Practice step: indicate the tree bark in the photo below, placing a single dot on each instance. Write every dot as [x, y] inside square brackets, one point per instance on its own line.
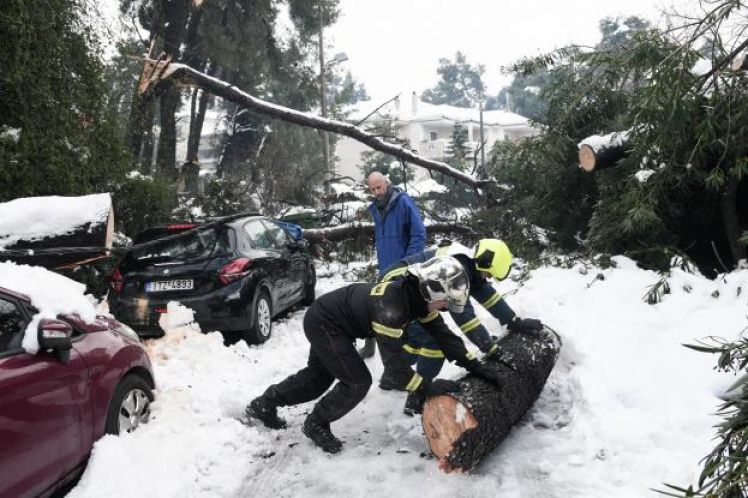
[158, 75]
[730, 221]
[177, 13]
[600, 152]
[465, 427]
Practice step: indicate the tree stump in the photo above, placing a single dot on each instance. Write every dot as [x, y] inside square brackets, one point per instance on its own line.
[466, 426]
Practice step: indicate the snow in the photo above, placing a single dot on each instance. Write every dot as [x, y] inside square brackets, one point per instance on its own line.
[424, 186]
[50, 293]
[598, 142]
[626, 409]
[643, 175]
[701, 67]
[8, 133]
[31, 218]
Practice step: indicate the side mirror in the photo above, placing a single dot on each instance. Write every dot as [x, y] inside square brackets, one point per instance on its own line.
[56, 335]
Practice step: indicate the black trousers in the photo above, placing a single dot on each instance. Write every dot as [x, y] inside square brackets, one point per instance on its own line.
[332, 356]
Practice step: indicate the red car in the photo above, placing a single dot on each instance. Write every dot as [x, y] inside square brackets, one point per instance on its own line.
[87, 380]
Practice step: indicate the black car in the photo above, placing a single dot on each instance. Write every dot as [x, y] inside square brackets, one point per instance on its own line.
[236, 273]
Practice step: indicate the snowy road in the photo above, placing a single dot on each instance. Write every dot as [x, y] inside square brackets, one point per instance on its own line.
[626, 408]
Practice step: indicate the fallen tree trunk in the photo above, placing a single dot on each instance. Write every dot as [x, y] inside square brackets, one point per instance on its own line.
[465, 427]
[366, 229]
[156, 74]
[599, 152]
[56, 232]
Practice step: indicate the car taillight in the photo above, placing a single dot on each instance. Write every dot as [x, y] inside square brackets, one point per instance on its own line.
[180, 226]
[116, 280]
[234, 270]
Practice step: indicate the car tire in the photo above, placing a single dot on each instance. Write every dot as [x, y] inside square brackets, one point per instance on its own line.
[130, 405]
[259, 331]
[309, 285]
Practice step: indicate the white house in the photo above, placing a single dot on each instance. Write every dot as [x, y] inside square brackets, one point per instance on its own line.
[428, 128]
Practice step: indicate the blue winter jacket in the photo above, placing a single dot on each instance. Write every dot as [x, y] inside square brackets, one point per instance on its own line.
[400, 232]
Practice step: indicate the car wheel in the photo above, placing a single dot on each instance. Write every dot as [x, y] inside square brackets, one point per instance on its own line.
[130, 406]
[259, 331]
[309, 284]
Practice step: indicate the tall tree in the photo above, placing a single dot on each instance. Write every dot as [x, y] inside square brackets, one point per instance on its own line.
[58, 134]
[460, 83]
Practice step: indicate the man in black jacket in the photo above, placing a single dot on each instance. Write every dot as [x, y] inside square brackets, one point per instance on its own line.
[381, 310]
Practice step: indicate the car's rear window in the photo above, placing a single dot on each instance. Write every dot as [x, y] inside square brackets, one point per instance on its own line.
[188, 246]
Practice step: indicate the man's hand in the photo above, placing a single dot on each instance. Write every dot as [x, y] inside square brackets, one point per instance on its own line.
[525, 325]
[480, 370]
[439, 387]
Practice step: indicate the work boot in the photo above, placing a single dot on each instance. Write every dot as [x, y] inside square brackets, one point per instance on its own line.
[414, 404]
[368, 349]
[266, 412]
[387, 382]
[318, 431]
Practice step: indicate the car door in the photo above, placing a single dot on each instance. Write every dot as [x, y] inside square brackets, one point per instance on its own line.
[294, 259]
[42, 434]
[266, 254]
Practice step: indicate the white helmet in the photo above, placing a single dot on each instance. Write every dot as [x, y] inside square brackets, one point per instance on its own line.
[443, 277]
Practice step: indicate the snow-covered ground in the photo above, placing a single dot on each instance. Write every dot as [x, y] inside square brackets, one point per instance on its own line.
[626, 408]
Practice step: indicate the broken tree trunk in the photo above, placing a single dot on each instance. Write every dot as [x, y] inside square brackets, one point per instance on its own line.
[156, 74]
[466, 426]
[56, 232]
[599, 152]
[366, 229]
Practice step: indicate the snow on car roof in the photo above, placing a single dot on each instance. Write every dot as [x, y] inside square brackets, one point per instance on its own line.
[50, 293]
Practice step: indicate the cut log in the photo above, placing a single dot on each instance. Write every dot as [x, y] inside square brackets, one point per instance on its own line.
[56, 232]
[599, 152]
[466, 426]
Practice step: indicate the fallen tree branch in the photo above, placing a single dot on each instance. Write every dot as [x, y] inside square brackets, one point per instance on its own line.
[366, 229]
[156, 74]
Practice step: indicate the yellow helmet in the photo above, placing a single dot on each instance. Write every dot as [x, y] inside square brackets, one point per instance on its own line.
[493, 256]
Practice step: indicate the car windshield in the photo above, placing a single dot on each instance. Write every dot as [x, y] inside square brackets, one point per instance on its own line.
[188, 246]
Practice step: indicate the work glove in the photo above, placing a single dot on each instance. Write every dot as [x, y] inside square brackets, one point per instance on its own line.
[525, 325]
[438, 387]
[492, 350]
[481, 370]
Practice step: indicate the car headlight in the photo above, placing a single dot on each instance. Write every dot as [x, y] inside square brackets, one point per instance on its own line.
[127, 332]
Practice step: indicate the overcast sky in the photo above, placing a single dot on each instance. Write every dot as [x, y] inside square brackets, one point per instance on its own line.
[394, 45]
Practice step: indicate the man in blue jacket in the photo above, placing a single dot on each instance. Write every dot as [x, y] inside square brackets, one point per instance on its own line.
[398, 229]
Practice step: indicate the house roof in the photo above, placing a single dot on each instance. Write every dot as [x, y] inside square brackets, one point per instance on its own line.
[405, 110]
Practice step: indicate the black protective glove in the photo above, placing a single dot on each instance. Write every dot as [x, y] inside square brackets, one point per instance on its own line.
[438, 387]
[525, 325]
[480, 370]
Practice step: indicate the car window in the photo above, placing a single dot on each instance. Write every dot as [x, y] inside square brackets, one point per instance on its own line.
[258, 235]
[188, 246]
[278, 235]
[12, 326]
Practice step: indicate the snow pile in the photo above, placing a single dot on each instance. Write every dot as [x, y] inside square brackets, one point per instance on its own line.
[10, 134]
[21, 219]
[423, 187]
[50, 293]
[626, 408]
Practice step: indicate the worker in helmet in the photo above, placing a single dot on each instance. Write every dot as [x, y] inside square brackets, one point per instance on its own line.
[382, 310]
[491, 258]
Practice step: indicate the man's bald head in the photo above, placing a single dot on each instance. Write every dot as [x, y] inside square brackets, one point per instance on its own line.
[378, 184]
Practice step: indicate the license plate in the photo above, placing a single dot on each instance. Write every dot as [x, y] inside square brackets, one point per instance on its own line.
[170, 285]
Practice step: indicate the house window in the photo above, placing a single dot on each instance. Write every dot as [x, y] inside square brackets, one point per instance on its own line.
[433, 136]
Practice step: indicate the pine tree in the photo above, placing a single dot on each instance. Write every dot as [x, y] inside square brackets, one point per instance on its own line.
[460, 83]
[58, 135]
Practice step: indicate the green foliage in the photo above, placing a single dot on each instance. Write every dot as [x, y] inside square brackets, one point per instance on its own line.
[53, 97]
[460, 83]
[141, 202]
[686, 132]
